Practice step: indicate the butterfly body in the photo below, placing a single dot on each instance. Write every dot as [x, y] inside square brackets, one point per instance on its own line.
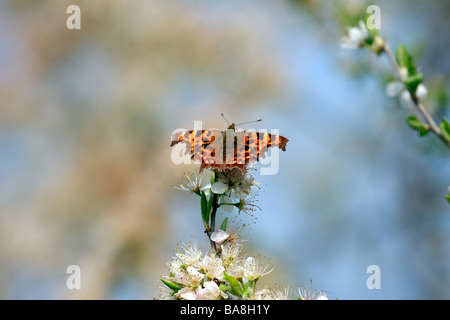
[227, 149]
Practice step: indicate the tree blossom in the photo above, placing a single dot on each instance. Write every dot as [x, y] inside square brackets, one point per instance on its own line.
[193, 183]
[398, 89]
[253, 268]
[307, 293]
[219, 236]
[356, 36]
[211, 291]
[212, 267]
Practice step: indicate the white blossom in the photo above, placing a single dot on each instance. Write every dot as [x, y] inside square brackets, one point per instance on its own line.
[421, 91]
[231, 252]
[226, 204]
[212, 267]
[398, 89]
[166, 293]
[187, 293]
[263, 294]
[210, 291]
[219, 236]
[246, 205]
[253, 268]
[394, 88]
[189, 277]
[193, 182]
[356, 36]
[281, 294]
[307, 293]
[191, 255]
[219, 188]
[236, 184]
[271, 294]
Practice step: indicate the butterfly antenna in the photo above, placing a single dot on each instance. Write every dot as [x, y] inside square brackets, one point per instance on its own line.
[225, 119]
[249, 122]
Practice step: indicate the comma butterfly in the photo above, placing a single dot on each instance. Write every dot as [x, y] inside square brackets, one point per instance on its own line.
[227, 149]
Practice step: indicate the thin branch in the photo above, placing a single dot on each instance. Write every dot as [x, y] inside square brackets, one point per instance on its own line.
[419, 105]
[394, 63]
[433, 126]
[212, 226]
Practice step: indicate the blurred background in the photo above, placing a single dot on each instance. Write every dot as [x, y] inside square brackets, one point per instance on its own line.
[85, 123]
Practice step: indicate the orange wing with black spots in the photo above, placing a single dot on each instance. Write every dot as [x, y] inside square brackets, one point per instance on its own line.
[194, 139]
[227, 149]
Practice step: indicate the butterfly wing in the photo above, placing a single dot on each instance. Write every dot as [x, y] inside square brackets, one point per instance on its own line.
[211, 148]
[195, 140]
[257, 144]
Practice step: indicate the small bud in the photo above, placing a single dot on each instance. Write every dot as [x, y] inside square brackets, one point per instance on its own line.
[403, 72]
[421, 91]
[378, 44]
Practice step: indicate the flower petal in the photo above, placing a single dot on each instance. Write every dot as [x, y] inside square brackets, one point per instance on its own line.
[394, 88]
[406, 100]
[355, 35]
[421, 91]
[187, 294]
[364, 31]
[219, 188]
[219, 236]
[226, 207]
[346, 43]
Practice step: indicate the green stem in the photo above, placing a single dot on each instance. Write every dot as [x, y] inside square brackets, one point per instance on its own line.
[215, 206]
[213, 214]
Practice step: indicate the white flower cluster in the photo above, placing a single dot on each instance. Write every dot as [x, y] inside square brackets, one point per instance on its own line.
[223, 273]
[236, 189]
[358, 37]
[230, 275]
[399, 89]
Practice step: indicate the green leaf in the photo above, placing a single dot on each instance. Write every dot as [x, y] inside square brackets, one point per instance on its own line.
[223, 226]
[445, 128]
[413, 82]
[204, 207]
[172, 285]
[402, 55]
[247, 292]
[250, 284]
[417, 125]
[447, 197]
[405, 60]
[223, 287]
[236, 287]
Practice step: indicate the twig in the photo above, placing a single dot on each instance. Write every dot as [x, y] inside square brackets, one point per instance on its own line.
[419, 105]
